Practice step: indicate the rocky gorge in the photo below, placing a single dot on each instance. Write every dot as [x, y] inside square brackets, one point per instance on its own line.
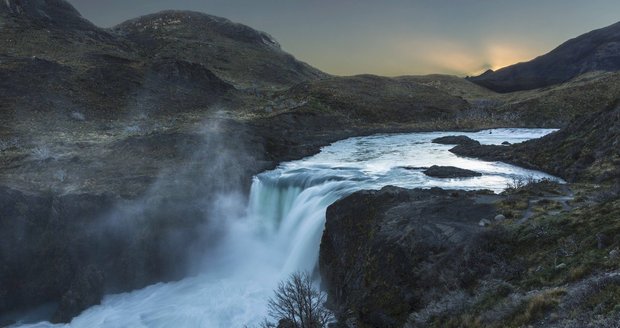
[146, 123]
[390, 258]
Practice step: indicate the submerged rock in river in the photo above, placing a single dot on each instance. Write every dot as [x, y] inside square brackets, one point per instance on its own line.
[445, 172]
[456, 140]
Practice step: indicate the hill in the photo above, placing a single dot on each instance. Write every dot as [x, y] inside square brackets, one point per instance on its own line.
[598, 50]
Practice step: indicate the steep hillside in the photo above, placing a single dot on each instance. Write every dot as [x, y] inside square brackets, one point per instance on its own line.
[237, 53]
[55, 61]
[452, 85]
[558, 105]
[419, 258]
[588, 150]
[54, 13]
[598, 50]
[369, 99]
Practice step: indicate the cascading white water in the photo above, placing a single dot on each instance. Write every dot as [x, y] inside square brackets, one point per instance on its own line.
[282, 229]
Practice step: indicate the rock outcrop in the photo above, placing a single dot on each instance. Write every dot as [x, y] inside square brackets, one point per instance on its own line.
[419, 258]
[49, 12]
[382, 251]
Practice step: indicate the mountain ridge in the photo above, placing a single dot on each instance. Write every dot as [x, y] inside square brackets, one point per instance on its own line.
[55, 12]
[597, 50]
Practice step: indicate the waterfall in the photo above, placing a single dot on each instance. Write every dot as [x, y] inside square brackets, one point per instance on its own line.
[291, 211]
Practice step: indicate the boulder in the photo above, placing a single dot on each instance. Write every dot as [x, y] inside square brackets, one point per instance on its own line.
[444, 172]
[484, 222]
[456, 140]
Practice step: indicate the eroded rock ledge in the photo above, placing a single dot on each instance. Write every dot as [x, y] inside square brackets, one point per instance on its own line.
[418, 258]
[382, 251]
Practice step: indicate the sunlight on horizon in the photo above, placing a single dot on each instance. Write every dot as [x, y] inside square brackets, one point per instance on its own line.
[398, 57]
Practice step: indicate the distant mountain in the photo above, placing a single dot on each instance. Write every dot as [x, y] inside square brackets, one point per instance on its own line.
[598, 50]
[237, 53]
[54, 60]
[58, 13]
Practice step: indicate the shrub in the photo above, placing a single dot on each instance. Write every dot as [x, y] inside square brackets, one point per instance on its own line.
[298, 304]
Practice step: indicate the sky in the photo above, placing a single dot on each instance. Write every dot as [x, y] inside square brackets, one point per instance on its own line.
[394, 37]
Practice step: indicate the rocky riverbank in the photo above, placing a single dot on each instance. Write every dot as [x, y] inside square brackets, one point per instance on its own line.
[420, 258]
[382, 252]
[424, 258]
[587, 150]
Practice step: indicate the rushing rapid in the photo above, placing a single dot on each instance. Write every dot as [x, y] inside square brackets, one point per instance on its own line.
[281, 230]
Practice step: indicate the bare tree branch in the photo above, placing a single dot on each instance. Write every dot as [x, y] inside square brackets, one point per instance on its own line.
[297, 303]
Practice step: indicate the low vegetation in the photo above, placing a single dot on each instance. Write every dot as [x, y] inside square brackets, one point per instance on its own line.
[568, 269]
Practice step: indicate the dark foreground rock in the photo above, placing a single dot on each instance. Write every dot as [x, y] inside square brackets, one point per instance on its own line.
[37, 237]
[447, 172]
[381, 250]
[456, 140]
[86, 290]
[417, 258]
[71, 249]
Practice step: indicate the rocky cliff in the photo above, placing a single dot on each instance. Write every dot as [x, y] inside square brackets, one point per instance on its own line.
[383, 253]
[422, 258]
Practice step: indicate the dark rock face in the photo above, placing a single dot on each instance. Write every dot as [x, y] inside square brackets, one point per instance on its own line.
[444, 172]
[456, 140]
[598, 50]
[185, 85]
[382, 251]
[37, 236]
[85, 291]
[71, 248]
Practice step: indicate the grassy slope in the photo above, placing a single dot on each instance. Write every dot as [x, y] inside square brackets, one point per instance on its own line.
[568, 267]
